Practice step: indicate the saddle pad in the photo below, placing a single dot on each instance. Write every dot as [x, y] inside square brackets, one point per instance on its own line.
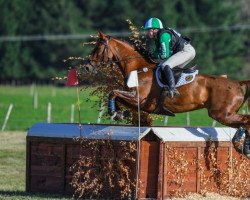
[186, 78]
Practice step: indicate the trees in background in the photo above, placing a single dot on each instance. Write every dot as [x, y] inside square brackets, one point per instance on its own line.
[38, 59]
[221, 47]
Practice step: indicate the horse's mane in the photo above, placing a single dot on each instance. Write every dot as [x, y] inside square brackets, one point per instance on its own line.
[139, 48]
[133, 47]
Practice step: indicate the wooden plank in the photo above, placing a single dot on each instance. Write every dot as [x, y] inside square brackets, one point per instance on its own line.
[46, 183]
[46, 149]
[197, 144]
[46, 160]
[160, 175]
[27, 187]
[198, 181]
[165, 172]
[64, 167]
[149, 171]
[46, 170]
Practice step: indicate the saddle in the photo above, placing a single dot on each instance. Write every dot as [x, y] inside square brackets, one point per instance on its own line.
[187, 74]
[182, 76]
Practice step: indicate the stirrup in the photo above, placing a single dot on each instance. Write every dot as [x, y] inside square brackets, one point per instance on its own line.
[171, 93]
[176, 92]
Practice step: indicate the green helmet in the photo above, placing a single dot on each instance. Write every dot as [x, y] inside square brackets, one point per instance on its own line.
[153, 23]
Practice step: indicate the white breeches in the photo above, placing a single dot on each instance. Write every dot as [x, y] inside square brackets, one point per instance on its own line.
[181, 58]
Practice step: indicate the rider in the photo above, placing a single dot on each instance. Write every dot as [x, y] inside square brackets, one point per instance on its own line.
[171, 48]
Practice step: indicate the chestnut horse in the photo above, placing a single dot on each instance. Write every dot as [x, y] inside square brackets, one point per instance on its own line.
[222, 97]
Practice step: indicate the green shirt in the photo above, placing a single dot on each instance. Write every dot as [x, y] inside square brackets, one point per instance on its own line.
[162, 50]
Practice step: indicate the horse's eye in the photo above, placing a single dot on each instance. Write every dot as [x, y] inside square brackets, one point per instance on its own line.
[100, 42]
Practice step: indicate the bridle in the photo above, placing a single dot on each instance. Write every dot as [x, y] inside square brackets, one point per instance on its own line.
[105, 49]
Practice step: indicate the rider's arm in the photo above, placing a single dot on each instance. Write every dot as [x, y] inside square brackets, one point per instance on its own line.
[164, 50]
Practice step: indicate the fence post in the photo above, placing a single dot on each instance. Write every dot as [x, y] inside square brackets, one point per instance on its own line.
[101, 109]
[72, 108]
[188, 119]
[7, 116]
[35, 100]
[214, 123]
[32, 89]
[49, 113]
[166, 120]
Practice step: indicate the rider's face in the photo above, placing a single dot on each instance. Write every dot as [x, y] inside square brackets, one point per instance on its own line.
[151, 33]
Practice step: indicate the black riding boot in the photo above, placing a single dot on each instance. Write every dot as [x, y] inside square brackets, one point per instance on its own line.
[171, 91]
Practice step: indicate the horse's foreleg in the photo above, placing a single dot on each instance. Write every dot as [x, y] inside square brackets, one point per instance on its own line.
[122, 96]
[125, 97]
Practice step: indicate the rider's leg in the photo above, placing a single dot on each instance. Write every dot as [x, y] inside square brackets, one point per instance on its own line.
[181, 58]
[171, 91]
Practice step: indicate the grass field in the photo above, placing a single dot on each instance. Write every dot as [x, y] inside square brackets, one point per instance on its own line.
[24, 114]
[12, 168]
[12, 172]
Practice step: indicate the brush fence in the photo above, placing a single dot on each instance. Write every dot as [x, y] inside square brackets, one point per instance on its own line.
[173, 161]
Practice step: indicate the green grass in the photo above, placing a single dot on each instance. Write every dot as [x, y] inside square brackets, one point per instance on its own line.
[12, 168]
[24, 115]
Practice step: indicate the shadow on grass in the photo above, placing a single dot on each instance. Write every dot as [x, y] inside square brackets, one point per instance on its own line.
[32, 195]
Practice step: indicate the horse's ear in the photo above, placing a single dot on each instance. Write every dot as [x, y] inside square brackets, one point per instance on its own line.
[102, 35]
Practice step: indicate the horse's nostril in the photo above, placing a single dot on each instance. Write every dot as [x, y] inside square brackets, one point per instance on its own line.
[88, 69]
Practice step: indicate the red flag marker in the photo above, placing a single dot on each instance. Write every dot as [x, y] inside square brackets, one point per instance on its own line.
[72, 81]
[72, 78]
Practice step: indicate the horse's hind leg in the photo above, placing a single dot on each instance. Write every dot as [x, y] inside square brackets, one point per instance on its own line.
[241, 122]
[246, 146]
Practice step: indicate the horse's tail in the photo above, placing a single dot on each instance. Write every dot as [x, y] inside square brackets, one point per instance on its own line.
[246, 88]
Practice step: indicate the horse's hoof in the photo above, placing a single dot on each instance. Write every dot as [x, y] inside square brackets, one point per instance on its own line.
[246, 147]
[120, 115]
[248, 156]
[238, 147]
[238, 140]
[117, 116]
[112, 117]
[239, 135]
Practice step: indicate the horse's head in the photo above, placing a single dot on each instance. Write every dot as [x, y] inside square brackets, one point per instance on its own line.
[110, 50]
[100, 55]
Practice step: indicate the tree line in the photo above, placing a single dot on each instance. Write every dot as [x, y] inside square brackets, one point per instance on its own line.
[36, 36]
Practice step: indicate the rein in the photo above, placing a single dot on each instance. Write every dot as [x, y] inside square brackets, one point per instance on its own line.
[109, 61]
